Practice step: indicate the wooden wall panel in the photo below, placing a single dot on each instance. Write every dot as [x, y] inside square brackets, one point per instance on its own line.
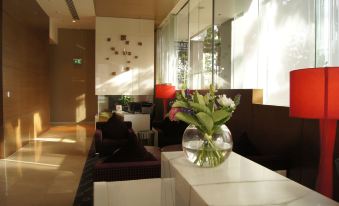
[25, 73]
[72, 86]
[1, 112]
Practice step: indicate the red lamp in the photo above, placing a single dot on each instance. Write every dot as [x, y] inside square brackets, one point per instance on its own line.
[314, 94]
[165, 92]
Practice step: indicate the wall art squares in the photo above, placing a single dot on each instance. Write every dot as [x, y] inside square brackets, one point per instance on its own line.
[127, 69]
[108, 39]
[135, 57]
[107, 58]
[129, 53]
[127, 42]
[114, 73]
[112, 48]
[128, 62]
[116, 52]
[140, 43]
[123, 37]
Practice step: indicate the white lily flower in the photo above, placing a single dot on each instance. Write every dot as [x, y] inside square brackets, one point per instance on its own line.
[223, 100]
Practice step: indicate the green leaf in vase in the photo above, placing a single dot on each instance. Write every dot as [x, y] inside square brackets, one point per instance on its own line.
[198, 98]
[187, 118]
[180, 104]
[200, 108]
[219, 115]
[201, 99]
[206, 121]
[183, 93]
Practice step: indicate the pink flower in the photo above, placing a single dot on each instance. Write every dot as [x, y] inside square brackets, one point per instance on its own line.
[173, 112]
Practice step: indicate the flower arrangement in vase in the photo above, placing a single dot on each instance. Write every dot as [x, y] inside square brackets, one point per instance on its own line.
[207, 141]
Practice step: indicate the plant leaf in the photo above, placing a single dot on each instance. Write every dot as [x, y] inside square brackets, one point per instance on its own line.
[201, 99]
[180, 104]
[219, 115]
[200, 108]
[237, 99]
[183, 93]
[206, 121]
[189, 119]
[198, 98]
[223, 121]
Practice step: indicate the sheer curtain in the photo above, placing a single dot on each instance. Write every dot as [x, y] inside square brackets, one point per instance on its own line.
[166, 71]
[272, 38]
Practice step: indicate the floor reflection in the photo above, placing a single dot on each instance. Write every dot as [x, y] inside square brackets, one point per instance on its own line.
[46, 171]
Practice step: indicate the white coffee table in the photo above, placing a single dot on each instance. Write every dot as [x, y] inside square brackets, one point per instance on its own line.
[145, 192]
[238, 181]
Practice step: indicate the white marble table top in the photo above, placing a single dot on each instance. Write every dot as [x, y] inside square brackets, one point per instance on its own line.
[144, 192]
[238, 181]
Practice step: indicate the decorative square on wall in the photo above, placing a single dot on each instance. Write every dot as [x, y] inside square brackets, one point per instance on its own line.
[140, 43]
[116, 52]
[127, 69]
[114, 73]
[107, 58]
[128, 62]
[129, 53]
[113, 48]
[135, 57]
[123, 37]
[127, 42]
[108, 39]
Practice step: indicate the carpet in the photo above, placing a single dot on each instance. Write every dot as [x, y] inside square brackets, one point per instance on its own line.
[84, 195]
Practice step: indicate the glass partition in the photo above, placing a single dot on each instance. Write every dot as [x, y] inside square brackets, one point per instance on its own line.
[249, 44]
[201, 44]
[181, 38]
[327, 20]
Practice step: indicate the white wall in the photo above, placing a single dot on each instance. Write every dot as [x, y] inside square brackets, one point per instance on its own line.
[53, 31]
[139, 80]
[272, 38]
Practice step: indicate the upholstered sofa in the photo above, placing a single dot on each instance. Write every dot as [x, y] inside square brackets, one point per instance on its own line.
[115, 171]
[127, 165]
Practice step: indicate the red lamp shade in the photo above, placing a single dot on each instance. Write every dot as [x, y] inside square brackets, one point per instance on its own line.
[164, 91]
[314, 94]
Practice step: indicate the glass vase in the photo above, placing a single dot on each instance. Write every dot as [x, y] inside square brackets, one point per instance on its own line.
[207, 150]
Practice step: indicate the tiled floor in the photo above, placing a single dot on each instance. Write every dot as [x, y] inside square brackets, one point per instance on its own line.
[47, 171]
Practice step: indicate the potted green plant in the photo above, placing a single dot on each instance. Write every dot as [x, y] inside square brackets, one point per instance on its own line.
[124, 100]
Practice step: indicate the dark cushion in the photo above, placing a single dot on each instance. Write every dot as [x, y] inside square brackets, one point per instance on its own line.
[114, 128]
[133, 151]
[243, 146]
[172, 131]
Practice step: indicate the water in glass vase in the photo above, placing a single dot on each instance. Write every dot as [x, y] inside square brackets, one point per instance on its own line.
[206, 157]
[204, 150]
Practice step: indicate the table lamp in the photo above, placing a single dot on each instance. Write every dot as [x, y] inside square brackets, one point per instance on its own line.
[165, 92]
[314, 94]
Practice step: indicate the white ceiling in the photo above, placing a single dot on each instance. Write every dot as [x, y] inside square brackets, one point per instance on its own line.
[59, 13]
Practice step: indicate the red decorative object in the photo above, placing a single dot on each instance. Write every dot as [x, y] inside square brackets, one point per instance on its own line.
[314, 94]
[165, 92]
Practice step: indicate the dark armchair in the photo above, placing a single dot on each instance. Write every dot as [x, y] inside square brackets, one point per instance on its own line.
[169, 132]
[106, 146]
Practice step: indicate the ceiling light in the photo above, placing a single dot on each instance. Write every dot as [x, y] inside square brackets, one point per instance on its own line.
[74, 21]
